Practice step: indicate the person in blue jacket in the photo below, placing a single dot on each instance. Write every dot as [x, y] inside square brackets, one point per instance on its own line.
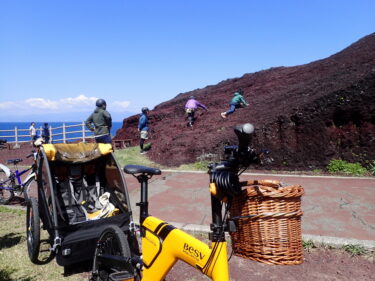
[236, 102]
[45, 133]
[143, 128]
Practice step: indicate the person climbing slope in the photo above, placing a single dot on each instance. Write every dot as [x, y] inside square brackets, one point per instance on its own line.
[236, 102]
[191, 105]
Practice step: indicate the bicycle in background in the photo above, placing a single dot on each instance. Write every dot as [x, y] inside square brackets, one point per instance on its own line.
[11, 183]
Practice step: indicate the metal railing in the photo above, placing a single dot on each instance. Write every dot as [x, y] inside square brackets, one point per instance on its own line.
[64, 134]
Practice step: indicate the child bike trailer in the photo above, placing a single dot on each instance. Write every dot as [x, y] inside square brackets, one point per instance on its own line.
[81, 192]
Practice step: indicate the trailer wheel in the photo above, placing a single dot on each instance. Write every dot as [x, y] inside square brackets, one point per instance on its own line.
[33, 229]
[112, 243]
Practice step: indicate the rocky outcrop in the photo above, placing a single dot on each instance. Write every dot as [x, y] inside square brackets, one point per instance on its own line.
[305, 115]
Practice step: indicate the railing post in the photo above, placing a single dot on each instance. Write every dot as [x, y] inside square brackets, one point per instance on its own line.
[83, 132]
[16, 137]
[50, 134]
[64, 137]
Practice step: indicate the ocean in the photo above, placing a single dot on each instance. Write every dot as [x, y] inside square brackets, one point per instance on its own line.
[23, 128]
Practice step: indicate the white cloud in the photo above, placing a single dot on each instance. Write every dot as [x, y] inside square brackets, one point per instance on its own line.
[41, 103]
[8, 105]
[120, 105]
[80, 103]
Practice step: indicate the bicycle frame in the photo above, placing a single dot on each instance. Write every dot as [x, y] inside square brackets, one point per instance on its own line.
[16, 175]
[163, 244]
[13, 176]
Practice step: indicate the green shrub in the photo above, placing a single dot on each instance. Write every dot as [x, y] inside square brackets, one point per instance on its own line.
[317, 171]
[201, 165]
[341, 166]
[371, 168]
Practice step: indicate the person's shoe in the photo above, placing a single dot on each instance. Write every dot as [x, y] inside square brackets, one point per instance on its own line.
[144, 151]
[223, 115]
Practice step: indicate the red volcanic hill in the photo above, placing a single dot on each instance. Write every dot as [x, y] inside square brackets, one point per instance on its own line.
[305, 115]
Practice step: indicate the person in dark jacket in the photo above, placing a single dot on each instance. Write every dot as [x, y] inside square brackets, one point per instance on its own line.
[143, 128]
[45, 133]
[100, 122]
[236, 102]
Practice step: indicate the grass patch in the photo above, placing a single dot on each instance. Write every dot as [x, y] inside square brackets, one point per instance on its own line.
[341, 166]
[308, 245]
[132, 156]
[354, 250]
[14, 261]
[317, 171]
[200, 166]
[15, 211]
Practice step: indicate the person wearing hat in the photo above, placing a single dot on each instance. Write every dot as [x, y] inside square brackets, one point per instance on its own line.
[143, 128]
[236, 102]
[191, 105]
[100, 122]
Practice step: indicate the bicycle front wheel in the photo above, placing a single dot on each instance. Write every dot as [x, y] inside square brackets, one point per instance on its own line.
[6, 194]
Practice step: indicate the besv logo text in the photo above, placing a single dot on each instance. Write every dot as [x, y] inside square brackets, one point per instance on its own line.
[193, 252]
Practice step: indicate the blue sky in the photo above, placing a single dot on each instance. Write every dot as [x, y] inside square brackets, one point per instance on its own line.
[58, 56]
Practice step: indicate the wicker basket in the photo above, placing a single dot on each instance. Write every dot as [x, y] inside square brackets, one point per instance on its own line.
[268, 221]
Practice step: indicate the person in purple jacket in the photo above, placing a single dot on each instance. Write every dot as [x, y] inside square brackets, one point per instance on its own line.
[191, 105]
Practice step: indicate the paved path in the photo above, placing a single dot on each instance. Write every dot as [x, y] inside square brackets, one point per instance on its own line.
[340, 207]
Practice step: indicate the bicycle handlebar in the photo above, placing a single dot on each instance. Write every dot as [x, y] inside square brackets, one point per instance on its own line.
[14, 161]
[236, 158]
[243, 133]
[241, 156]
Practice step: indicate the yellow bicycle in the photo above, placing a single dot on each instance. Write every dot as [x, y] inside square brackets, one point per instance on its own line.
[163, 244]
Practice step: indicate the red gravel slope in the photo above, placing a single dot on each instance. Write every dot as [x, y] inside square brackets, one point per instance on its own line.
[306, 115]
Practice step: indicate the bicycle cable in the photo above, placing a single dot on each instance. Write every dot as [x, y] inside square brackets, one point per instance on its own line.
[215, 248]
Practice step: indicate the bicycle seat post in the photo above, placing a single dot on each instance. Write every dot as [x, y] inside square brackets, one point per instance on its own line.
[143, 204]
[142, 174]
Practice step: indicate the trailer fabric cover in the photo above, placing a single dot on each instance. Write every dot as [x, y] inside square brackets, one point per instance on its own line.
[76, 152]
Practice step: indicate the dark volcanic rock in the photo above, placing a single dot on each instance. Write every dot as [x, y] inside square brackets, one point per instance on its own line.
[306, 115]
